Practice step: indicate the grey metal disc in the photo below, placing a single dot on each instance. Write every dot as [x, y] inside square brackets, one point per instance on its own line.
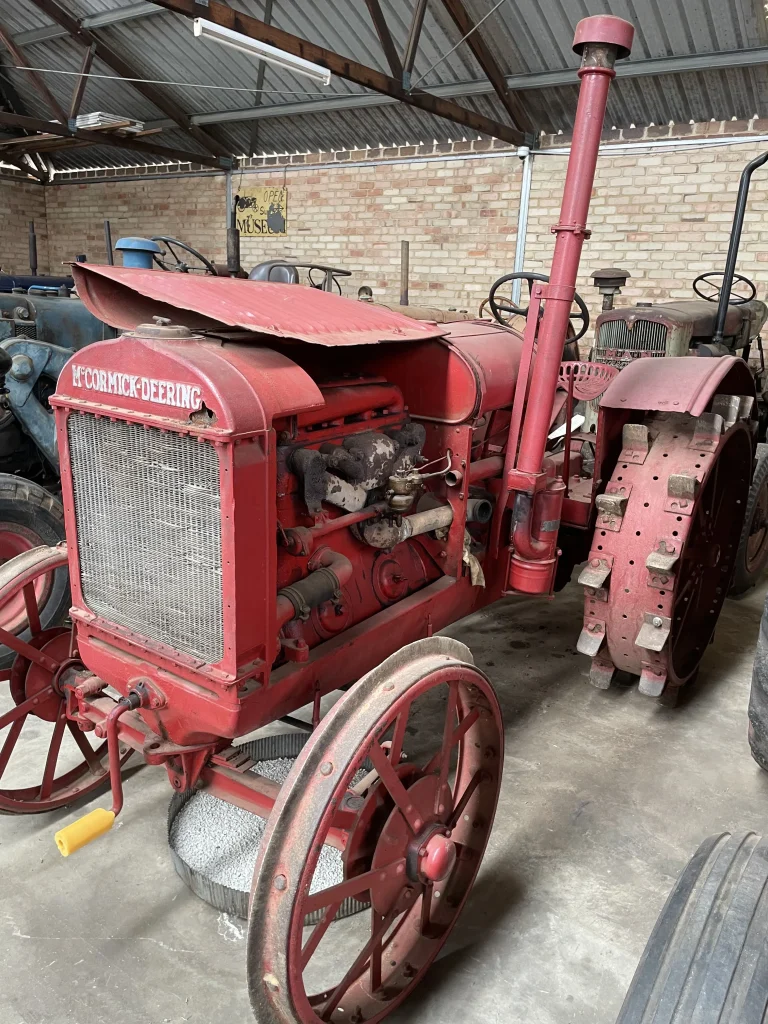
[226, 898]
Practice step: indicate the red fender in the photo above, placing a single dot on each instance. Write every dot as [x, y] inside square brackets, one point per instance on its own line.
[677, 384]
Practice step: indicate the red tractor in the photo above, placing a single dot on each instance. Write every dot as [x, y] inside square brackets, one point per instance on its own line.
[291, 495]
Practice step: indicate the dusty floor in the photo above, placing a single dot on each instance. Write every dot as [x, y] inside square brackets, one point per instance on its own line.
[605, 797]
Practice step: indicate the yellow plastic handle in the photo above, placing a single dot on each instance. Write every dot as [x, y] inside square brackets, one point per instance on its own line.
[83, 831]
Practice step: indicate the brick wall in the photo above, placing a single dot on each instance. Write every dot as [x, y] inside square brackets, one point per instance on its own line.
[662, 215]
[21, 202]
[190, 208]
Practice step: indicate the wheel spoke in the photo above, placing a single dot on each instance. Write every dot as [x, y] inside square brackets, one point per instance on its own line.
[27, 650]
[464, 799]
[398, 735]
[90, 755]
[375, 961]
[318, 932]
[10, 743]
[447, 744]
[426, 907]
[342, 891]
[46, 786]
[33, 612]
[5, 675]
[394, 786]
[359, 965]
[466, 723]
[26, 707]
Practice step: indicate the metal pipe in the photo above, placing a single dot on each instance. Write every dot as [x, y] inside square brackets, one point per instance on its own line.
[733, 245]
[108, 243]
[596, 73]
[405, 262]
[329, 572]
[483, 469]
[526, 156]
[32, 248]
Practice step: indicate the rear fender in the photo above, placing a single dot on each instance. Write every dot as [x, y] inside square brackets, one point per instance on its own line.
[677, 384]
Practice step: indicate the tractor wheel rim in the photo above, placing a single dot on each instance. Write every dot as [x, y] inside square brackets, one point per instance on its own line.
[14, 540]
[708, 556]
[58, 764]
[412, 911]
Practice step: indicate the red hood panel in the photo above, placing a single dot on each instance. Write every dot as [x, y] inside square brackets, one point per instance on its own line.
[125, 297]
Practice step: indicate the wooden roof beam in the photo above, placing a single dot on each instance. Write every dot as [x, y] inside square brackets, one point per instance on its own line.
[77, 95]
[385, 38]
[343, 67]
[118, 64]
[34, 124]
[21, 61]
[487, 62]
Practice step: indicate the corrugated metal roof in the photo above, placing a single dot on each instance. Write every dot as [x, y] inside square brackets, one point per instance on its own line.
[526, 36]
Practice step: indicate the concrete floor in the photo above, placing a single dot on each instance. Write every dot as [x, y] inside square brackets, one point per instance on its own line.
[605, 797]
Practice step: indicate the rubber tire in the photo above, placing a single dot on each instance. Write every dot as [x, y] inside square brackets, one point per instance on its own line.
[30, 505]
[742, 579]
[707, 957]
[758, 696]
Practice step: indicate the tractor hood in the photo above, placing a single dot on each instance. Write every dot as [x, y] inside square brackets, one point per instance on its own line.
[124, 297]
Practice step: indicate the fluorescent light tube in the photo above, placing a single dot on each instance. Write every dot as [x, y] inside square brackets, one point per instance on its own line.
[263, 51]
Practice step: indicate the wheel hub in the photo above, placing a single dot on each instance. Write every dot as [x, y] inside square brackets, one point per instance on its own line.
[429, 851]
[436, 857]
[29, 679]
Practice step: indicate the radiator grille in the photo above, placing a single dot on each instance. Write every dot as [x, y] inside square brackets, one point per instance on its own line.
[148, 513]
[645, 337]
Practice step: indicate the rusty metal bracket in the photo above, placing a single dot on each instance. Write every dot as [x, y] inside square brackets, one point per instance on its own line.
[636, 442]
[652, 680]
[654, 632]
[664, 558]
[612, 505]
[732, 408]
[601, 673]
[707, 432]
[591, 637]
[597, 571]
[682, 489]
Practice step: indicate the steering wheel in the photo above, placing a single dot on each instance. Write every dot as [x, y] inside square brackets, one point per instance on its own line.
[323, 285]
[734, 299]
[180, 266]
[498, 308]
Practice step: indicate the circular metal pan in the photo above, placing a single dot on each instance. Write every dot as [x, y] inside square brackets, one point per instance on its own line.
[223, 897]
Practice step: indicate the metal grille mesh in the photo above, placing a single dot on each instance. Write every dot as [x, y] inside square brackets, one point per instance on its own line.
[645, 336]
[148, 513]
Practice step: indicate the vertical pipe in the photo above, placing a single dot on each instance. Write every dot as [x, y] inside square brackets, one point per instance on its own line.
[526, 157]
[405, 259]
[601, 40]
[108, 243]
[32, 248]
[733, 245]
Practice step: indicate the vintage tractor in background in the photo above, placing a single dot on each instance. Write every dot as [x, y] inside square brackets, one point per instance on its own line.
[725, 319]
[272, 496]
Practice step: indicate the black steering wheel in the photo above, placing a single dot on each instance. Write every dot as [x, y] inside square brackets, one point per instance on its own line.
[180, 266]
[508, 307]
[734, 299]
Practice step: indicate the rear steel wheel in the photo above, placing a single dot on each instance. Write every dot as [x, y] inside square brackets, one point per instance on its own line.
[30, 517]
[413, 834]
[664, 549]
[46, 760]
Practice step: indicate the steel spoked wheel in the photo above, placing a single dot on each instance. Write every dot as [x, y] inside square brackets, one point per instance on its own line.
[46, 760]
[412, 830]
[665, 546]
[30, 517]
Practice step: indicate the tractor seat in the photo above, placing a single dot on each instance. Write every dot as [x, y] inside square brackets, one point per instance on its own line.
[275, 270]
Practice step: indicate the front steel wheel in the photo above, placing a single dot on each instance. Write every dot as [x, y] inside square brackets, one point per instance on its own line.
[411, 806]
